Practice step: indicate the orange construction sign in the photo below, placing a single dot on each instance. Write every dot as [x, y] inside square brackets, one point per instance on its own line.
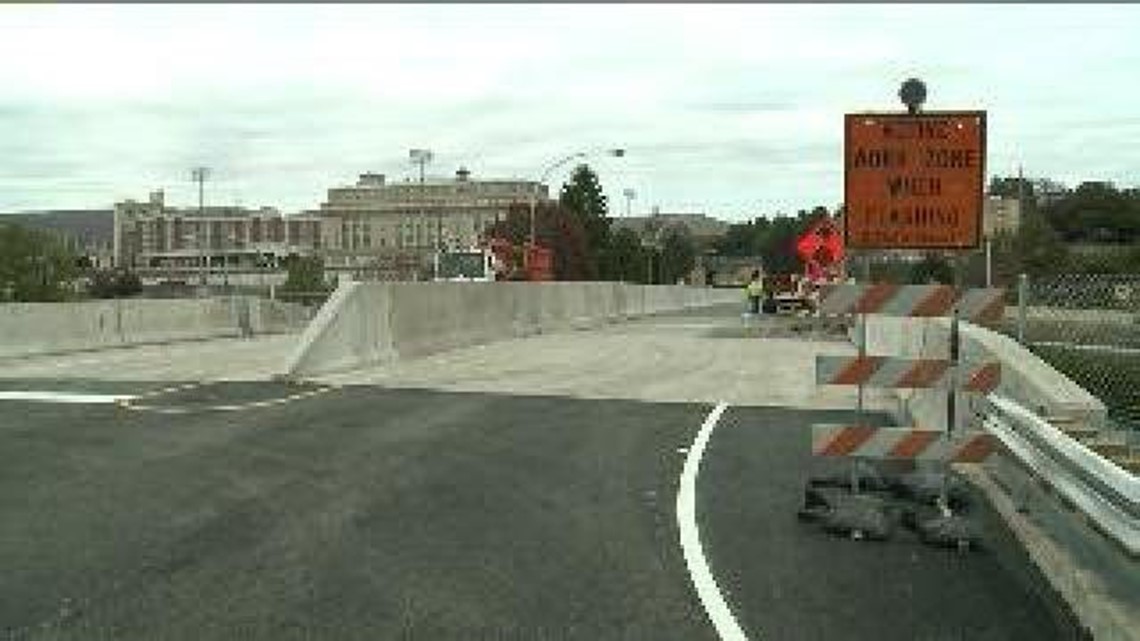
[914, 181]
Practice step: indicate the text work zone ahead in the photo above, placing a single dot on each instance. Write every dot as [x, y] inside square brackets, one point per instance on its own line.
[914, 181]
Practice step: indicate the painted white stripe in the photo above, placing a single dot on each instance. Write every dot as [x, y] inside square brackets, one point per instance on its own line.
[228, 408]
[173, 389]
[63, 397]
[699, 572]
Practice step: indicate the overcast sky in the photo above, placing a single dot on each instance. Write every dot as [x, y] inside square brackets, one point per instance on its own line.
[733, 110]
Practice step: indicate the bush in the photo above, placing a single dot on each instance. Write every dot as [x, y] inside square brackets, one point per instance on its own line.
[114, 283]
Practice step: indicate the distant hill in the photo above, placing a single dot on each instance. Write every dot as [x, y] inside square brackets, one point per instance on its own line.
[86, 226]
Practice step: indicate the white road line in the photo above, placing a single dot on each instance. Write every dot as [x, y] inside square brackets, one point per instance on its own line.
[62, 397]
[228, 408]
[703, 581]
[170, 390]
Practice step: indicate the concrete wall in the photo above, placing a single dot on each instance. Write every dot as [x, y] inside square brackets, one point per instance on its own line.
[1025, 377]
[370, 323]
[45, 328]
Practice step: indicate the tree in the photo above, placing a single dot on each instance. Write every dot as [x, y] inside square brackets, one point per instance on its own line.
[777, 245]
[582, 198]
[773, 239]
[933, 268]
[556, 229]
[35, 265]
[678, 254]
[626, 259]
[306, 274]
[741, 239]
[1036, 249]
[1096, 212]
[114, 283]
[1007, 187]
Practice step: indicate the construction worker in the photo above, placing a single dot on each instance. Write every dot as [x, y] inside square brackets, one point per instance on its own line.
[754, 291]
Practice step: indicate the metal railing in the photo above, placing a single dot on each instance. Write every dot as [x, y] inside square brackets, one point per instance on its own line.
[1106, 494]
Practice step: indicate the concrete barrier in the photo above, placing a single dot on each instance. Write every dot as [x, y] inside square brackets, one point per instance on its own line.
[51, 328]
[1025, 378]
[372, 323]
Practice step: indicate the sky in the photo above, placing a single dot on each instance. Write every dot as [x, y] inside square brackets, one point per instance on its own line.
[731, 110]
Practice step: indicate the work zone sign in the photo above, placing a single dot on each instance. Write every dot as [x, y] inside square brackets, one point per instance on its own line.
[914, 181]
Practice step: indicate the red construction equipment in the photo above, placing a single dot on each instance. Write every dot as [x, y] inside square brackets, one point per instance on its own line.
[821, 249]
[537, 262]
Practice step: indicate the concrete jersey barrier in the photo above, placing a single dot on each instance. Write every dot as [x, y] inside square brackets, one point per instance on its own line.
[27, 329]
[372, 323]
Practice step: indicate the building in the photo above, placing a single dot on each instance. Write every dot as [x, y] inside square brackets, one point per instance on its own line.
[383, 229]
[703, 228]
[1000, 215]
[214, 245]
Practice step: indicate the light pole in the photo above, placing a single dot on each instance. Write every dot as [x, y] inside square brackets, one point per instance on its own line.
[617, 153]
[422, 157]
[651, 244]
[629, 196]
[199, 175]
[229, 239]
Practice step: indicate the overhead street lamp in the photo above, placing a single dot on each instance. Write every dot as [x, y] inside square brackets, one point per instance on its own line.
[617, 153]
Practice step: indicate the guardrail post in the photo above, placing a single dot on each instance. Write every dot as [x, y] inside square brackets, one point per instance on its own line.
[1022, 303]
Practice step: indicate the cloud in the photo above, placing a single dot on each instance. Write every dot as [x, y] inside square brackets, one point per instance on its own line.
[738, 107]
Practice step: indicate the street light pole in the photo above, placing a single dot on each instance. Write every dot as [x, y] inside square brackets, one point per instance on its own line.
[422, 157]
[629, 196]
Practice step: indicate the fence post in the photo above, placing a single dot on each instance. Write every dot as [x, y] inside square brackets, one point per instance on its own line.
[1022, 303]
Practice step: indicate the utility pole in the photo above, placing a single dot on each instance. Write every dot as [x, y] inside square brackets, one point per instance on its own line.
[199, 175]
[1020, 192]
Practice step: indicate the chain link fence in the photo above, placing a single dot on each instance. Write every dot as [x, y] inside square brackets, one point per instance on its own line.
[1086, 326]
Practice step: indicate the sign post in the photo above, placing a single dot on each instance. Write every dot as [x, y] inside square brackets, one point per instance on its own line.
[912, 181]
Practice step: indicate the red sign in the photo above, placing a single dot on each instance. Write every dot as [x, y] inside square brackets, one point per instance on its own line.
[914, 181]
[821, 244]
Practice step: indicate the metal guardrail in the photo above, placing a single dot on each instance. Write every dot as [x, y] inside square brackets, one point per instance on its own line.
[1108, 495]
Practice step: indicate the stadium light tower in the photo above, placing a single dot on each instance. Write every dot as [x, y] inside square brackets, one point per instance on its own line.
[199, 175]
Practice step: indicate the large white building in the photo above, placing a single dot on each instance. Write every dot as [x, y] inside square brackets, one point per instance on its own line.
[216, 244]
[368, 225]
[373, 229]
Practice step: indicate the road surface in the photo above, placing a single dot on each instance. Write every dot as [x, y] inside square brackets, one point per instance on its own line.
[259, 510]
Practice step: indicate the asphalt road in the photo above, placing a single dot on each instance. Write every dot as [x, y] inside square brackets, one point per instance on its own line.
[365, 513]
[790, 580]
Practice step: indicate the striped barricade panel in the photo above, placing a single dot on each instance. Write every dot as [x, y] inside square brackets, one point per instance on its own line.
[891, 372]
[983, 305]
[901, 443]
